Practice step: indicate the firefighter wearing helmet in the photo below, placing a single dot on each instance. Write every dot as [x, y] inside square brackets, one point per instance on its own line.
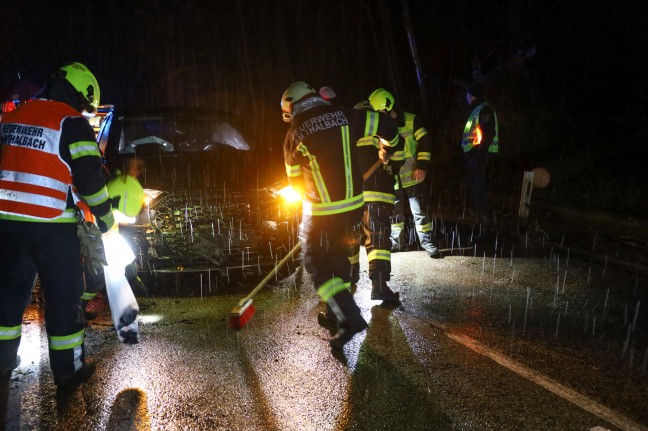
[410, 182]
[378, 191]
[322, 163]
[48, 149]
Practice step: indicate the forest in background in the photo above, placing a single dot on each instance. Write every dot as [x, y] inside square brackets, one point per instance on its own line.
[567, 79]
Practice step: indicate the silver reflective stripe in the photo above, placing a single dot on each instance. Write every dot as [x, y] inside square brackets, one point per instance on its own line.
[346, 147]
[97, 198]
[379, 255]
[336, 207]
[38, 180]
[31, 198]
[373, 196]
[371, 123]
[10, 333]
[91, 147]
[49, 138]
[66, 342]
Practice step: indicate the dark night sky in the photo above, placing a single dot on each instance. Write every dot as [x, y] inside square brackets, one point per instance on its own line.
[582, 94]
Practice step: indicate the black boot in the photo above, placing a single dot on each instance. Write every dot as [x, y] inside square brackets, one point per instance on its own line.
[86, 371]
[88, 315]
[434, 252]
[348, 315]
[381, 291]
[6, 373]
[326, 319]
[9, 358]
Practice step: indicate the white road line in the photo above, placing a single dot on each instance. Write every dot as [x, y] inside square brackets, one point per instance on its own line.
[562, 391]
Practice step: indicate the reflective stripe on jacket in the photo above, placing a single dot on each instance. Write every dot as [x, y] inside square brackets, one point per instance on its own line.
[412, 154]
[472, 135]
[320, 150]
[34, 180]
[379, 186]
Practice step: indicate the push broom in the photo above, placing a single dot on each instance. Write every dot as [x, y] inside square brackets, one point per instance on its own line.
[245, 309]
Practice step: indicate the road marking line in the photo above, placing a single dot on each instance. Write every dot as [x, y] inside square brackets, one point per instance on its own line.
[551, 385]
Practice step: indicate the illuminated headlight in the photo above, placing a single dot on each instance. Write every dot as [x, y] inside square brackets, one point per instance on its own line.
[289, 195]
[150, 195]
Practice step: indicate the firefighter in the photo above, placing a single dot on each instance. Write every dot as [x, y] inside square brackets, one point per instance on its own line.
[47, 147]
[322, 163]
[480, 141]
[374, 227]
[410, 182]
[378, 191]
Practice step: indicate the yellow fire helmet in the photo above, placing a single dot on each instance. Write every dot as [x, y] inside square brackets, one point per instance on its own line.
[381, 100]
[130, 193]
[297, 92]
[84, 82]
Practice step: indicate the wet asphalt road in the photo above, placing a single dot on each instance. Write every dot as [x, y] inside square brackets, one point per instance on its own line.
[478, 344]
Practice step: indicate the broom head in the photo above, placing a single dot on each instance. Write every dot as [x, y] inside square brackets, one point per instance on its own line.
[239, 315]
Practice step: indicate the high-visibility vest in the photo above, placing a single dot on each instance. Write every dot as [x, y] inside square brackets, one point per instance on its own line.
[34, 179]
[472, 135]
[409, 153]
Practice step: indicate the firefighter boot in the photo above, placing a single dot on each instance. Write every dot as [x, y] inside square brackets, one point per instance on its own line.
[6, 372]
[381, 291]
[9, 358]
[83, 374]
[434, 252]
[430, 247]
[326, 319]
[429, 244]
[348, 315]
[88, 315]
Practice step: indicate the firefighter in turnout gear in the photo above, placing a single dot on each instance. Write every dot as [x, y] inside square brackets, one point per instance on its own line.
[480, 141]
[47, 147]
[410, 181]
[378, 191]
[323, 165]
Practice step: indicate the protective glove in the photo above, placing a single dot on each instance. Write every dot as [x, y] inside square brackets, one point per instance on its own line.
[92, 248]
[106, 222]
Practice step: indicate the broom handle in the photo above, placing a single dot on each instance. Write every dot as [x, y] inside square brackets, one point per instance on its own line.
[267, 278]
[283, 261]
[371, 170]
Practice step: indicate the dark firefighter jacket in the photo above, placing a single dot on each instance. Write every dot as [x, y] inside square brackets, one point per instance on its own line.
[378, 185]
[323, 161]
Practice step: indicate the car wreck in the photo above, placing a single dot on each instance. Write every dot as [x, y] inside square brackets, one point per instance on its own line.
[196, 233]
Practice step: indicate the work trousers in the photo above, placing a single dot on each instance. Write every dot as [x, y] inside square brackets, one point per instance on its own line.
[327, 242]
[419, 202]
[475, 168]
[55, 256]
[375, 228]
